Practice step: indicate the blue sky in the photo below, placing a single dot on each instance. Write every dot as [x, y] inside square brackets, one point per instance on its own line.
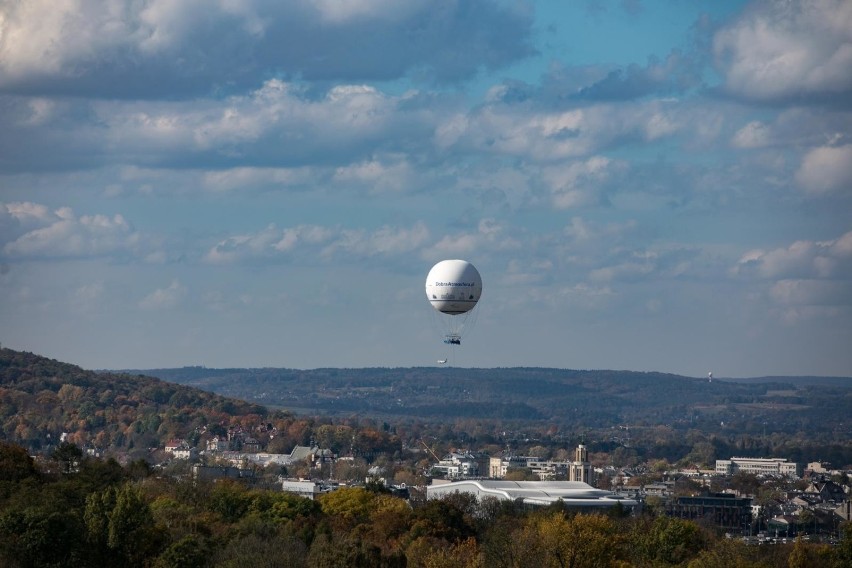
[660, 186]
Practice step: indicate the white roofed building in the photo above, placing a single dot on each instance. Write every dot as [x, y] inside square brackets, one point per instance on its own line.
[540, 493]
[775, 467]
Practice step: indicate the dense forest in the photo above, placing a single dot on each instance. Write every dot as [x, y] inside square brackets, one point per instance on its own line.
[624, 418]
[568, 398]
[72, 510]
[44, 402]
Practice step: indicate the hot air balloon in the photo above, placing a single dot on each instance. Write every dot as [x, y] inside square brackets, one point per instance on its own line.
[453, 287]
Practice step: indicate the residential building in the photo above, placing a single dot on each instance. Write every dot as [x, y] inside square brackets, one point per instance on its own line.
[499, 466]
[313, 455]
[217, 444]
[180, 450]
[457, 465]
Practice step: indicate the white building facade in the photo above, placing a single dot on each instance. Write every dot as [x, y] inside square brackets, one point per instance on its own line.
[775, 467]
[535, 493]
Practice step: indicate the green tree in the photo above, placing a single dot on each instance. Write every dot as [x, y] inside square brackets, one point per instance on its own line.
[348, 506]
[37, 536]
[842, 553]
[230, 499]
[442, 519]
[15, 463]
[68, 456]
[119, 524]
[666, 539]
[282, 551]
[577, 542]
[188, 552]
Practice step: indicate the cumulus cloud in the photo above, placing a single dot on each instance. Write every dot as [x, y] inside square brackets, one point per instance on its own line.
[118, 48]
[390, 173]
[755, 134]
[490, 235]
[278, 127]
[241, 178]
[26, 212]
[579, 184]
[802, 259]
[675, 74]
[827, 169]
[810, 292]
[547, 135]
[784, 50]
[307, 241]
[634, 264]
[164, 298]
[805, 280]
[62, 234]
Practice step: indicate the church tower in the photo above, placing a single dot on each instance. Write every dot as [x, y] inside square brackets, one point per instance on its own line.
[581, 469]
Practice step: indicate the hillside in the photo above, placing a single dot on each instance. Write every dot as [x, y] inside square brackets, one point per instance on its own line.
[41, 399]
[572, 398]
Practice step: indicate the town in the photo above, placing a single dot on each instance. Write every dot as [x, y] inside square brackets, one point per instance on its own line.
[761, 500]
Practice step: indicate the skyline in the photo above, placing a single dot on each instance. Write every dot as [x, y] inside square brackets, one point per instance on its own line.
[644, 186]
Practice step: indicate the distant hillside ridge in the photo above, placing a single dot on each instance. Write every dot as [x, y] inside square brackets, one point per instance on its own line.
[43, 400]
[578, 398]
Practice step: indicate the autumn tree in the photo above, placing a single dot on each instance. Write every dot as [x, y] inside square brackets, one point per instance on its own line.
[580, 541]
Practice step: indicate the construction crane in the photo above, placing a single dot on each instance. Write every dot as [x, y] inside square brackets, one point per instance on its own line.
[434, 455]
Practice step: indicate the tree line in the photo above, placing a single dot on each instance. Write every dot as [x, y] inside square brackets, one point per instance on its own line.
[79, 511]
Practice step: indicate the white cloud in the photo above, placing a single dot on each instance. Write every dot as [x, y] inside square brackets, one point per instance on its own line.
[275, 124]
[806, 280]
[61, 233]
[827, 169]
[26, 212]
[549, 136]
[44, 36]
[624, 271]
[785, 49]
[198, 45]
[311, 241]
[164, 298]
[387, 174]
[490, 235]
[755, 134]
[385, 241]
[810, 292]
[802, 259]
[580, 183]
[242, 178]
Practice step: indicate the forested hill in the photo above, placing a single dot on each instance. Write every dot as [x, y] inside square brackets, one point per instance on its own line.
[40, 399]
[588, 399]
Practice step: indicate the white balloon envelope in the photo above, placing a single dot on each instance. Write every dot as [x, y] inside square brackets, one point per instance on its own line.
[454, 287]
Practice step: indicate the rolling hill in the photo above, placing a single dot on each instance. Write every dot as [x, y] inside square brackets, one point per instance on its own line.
[578, 398]
[43, 401]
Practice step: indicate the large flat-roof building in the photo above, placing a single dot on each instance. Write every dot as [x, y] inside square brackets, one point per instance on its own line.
[759, 466]
[721, 509]
[571, 493]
